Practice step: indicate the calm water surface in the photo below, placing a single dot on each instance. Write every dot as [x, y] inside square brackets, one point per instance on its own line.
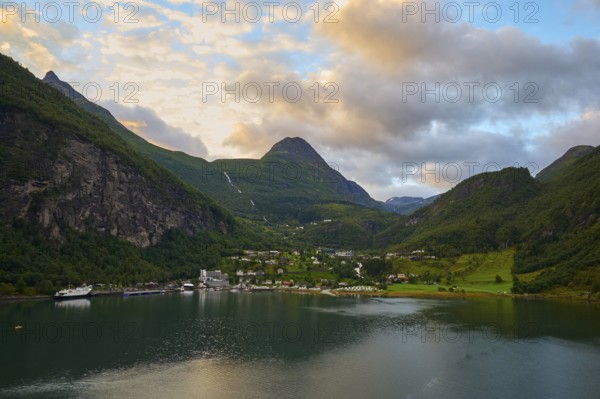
[278, 345]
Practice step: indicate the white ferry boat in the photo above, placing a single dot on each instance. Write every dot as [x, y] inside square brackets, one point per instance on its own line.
[74, 293]
[188, 287]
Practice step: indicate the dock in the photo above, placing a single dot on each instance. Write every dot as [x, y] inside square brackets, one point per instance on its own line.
[261, 289]
[144, 292]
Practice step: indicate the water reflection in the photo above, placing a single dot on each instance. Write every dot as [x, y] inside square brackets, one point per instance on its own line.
[220, 344]
[80, 304]
[521, 318]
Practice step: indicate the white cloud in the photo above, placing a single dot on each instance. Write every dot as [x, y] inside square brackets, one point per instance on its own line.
[147, 124]
[368, 54]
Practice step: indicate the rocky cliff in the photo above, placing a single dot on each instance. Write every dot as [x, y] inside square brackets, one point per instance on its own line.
[64, 168]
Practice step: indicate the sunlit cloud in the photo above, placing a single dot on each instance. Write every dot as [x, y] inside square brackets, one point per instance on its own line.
[369, 58]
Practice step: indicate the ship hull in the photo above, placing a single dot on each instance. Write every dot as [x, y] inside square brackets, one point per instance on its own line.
[75, 296]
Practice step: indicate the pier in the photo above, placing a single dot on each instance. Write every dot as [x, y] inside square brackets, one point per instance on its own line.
[145, 292]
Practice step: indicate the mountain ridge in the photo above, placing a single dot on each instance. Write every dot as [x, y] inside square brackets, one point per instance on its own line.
[290, 176]
[486, 212]
[71, 171]
[562, 163]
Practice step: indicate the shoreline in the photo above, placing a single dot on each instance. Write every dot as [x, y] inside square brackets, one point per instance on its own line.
[467, 295]
[21, 298]
[424, 294]
[384, 294]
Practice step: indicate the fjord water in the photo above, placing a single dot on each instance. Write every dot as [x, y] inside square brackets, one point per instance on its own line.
[275, 345]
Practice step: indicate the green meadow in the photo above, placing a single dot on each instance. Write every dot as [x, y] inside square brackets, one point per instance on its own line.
[477, 273]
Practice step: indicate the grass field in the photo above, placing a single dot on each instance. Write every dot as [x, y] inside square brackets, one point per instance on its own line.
[480, 274]
[473, 273]
[413, 287]
[491, 288]
[421, 267]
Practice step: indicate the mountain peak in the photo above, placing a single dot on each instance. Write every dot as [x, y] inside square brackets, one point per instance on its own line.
[294, 148]
[52, 80]
[51, 77]
[292, 144]
[564, 162]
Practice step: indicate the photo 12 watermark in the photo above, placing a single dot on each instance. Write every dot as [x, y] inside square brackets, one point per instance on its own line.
[118, 92]
[69, 12]
[455, 172]
[471, 92]
[255, 92]
[269, 11]
[469, 11]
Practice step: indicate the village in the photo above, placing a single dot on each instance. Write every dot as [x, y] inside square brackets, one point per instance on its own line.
[343, 271]
[333, 271]
[320, 269]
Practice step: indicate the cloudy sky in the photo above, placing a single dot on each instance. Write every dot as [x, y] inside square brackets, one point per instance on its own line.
[405, 98]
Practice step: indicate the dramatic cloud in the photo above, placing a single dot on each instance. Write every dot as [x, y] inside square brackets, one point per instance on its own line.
[396, 103]
[383, 68]
[39, 46]
[146, 123]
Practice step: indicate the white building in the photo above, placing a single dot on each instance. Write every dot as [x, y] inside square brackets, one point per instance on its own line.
[214, 278]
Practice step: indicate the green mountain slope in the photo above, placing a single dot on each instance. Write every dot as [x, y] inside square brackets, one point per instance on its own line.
[77, 201]
[186, 167]
[284, 183]
[78, 189]
[554, 224]
[61, 164]
[290, 177]
[561, 164]
[343, 225]
[476, 215]
[561, 230]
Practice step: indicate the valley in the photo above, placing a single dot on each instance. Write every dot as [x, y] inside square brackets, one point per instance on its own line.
[69, 211]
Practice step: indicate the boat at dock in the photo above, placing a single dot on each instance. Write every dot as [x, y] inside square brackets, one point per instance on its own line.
[189, 287]
[74, 293]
